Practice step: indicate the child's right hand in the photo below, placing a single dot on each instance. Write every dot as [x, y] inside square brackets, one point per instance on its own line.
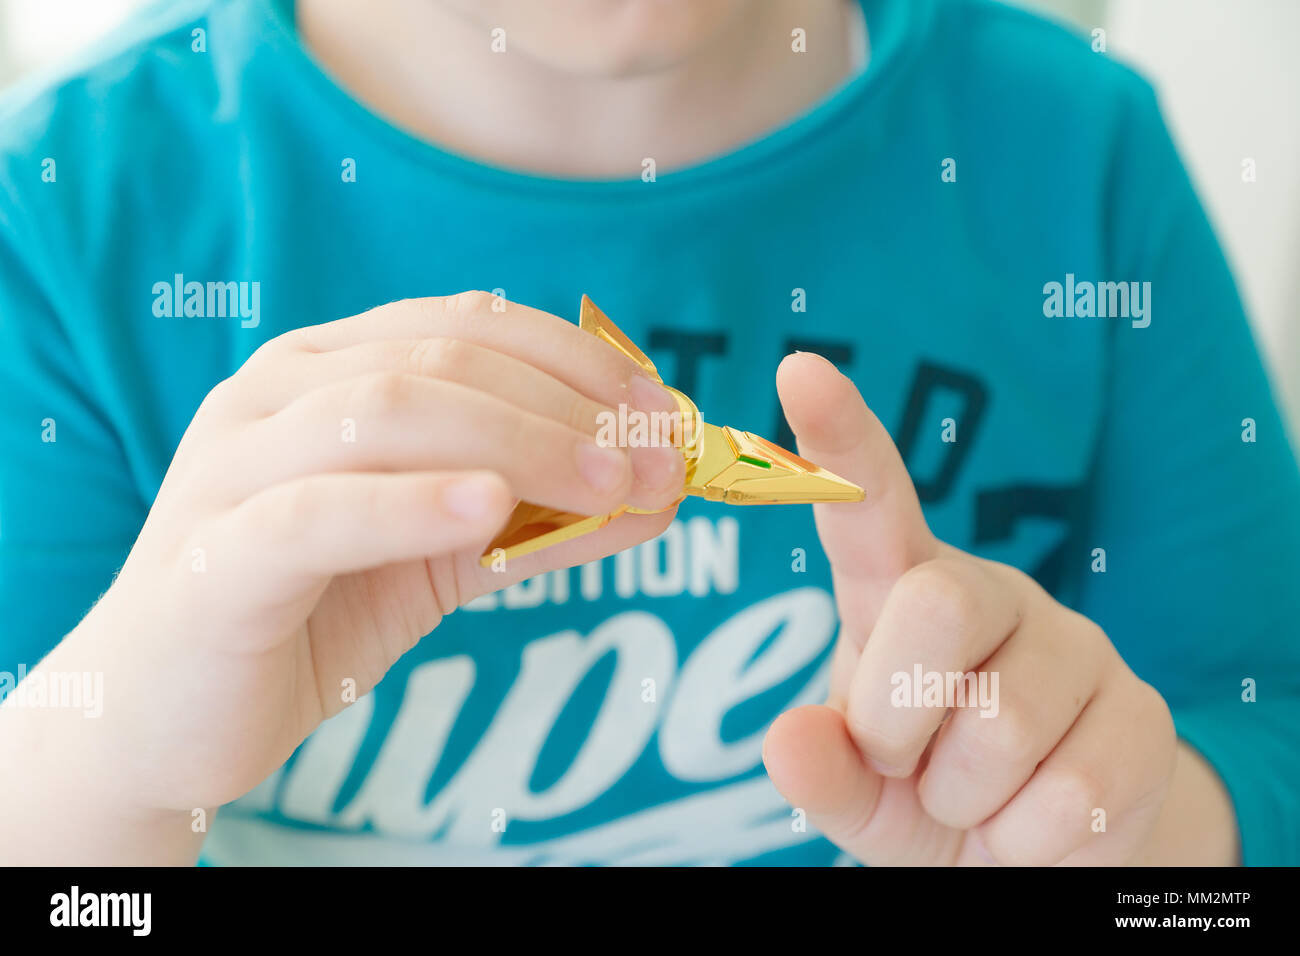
[326, 507]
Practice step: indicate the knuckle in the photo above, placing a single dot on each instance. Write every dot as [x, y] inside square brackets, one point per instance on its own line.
[434, 357]
[1155, 715]
[938, 590]
[291, 341]
[241, 390]
[1158, 708]
[1009, 739]
[381, 393]
[1090, 631]
[427, 309]
[1072, 795]
[268, 352]
[273, 350]
[302, 339]
[1163, 762]
[221, 399]
[1062, 807]
[1016, 578]
[471, 303]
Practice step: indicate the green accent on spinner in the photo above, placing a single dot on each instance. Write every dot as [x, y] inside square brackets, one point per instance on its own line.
[754, 461]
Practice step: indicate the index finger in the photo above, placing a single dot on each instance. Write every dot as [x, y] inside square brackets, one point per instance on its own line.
[870, 543]
[545, 341]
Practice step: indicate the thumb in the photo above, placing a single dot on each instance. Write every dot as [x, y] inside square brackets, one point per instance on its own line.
[872, 542]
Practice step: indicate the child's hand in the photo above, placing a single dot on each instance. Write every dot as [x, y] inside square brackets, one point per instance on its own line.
[1077, 743]
[327, 506]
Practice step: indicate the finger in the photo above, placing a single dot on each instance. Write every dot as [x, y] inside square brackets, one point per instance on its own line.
[553, 344]
[448, 359]
[872, 542]
[942, 618]
[301, 532]
[522, 385]
[869, 543]
[813, 762]
[1036, 686]
[394, 422]
[815, 765]
[1118, 753]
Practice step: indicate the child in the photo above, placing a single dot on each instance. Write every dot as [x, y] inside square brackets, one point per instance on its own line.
[1087, 518]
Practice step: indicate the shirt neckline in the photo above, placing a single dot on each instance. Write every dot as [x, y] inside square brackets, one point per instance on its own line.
[892, 35]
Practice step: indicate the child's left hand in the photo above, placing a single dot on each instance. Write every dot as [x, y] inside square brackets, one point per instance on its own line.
[1076, 762]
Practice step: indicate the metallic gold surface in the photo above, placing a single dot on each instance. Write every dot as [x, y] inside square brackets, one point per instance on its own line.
[722, 464]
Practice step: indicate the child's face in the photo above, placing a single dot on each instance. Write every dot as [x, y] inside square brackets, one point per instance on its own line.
[604, 37]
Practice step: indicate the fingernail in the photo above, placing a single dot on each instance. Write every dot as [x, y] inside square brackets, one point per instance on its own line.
[650, 396]
[469, 499]
[813, 355]
[885, 770]
[602, 468]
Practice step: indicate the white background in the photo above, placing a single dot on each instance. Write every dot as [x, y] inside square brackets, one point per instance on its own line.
[1227, 71]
